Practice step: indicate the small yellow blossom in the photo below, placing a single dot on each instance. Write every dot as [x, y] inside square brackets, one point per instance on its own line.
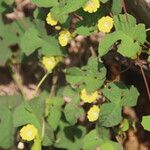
[58, 28]
[91, 6]
[93, 113]
[64, 37]
[105, 24]
[88, 98]
[49, 63]
[50, 20]
[28, 132]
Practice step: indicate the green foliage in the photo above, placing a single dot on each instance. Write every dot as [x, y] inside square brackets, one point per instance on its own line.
[61, 116]
[73, 112]
[91, 140]
[45, 3]
[91, 76]
[116, 7]
[110, 114]
[111, 146]
[128, 32]
[118, 95]
[6, 128]
[54, 111]
[146, 122]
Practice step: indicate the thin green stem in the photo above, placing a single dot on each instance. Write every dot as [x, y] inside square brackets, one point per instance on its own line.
[147, 29]
[41, 81]
[54, 81]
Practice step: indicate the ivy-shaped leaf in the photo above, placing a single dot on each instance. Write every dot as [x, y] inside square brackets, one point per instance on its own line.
[6, 128]
[91, 76]
[110, 114]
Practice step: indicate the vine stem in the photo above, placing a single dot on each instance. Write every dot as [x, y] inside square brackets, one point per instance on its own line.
[145, 81]
[41, 81]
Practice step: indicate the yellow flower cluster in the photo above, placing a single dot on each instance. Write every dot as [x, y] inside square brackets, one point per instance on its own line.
[28, 132]
[105, 24]
[88, 98]
[50, 62]
[93, 113]
[64, 37]
[50, 20]
[91, 6]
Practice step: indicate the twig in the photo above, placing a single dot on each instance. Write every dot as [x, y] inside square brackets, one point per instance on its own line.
[145, 80]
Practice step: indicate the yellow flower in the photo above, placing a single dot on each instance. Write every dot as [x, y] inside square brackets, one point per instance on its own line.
[28, 132]
[88, 98]
[49, 63]
[58, 28]
[64, 37]
[93, 113]
[50, 20]
[105, 24]
[91, 6]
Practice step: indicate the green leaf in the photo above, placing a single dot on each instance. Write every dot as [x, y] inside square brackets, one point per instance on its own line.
[146, 122]
[6, 128]
[57, 12]
[74, 75]
[104, 132]
[54, 110]
[45, 3]
[107, 42]
[30, 41]
[11, 101]
[73, 112]
[24, 114]
[116, 7]
[127, 48]
[51, 47]
[122, 24]
[48, 136]
[84, 30]
[136, 31]
[110, 114]
[72, 95]
[73, 5]
[128, 32]
[113, 92]
[30, 112]
[9, 2]
[91, 76]
[132, 99]
[110, 145]
[36, 38]
[54, 117]
[70, 137]
[6, 52]
[92, 140]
